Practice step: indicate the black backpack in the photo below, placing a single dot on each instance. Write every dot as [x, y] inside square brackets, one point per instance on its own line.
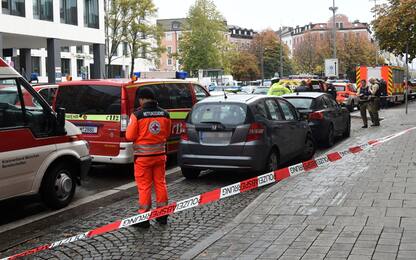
[382, 88]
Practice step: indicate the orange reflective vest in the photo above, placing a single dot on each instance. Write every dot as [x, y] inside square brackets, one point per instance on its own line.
[149, 128]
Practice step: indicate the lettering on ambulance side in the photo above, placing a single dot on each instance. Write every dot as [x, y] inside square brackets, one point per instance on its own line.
[344, 153]
[177, 128]
[17, 161]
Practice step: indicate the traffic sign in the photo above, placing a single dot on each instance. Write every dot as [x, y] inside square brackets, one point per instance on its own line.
[331, 67]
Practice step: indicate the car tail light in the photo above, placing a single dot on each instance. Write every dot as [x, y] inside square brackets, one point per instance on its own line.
[316, 115]
[184, 132]
[255, 132]
[124, 123]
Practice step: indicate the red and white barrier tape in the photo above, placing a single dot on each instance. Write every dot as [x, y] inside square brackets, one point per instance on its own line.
[216, 194]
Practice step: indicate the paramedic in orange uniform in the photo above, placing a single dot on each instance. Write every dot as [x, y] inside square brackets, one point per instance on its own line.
[149, 129]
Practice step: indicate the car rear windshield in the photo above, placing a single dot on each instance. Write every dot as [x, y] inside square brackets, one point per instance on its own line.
[226, 114]
[301, 103]
[340, 88]
[95, 100]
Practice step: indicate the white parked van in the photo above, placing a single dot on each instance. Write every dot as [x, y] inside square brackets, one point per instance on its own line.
[40, 152]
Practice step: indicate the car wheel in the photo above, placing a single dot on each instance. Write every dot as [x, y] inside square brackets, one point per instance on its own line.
[309, 149]
[351, 106]
[58, 186]
[347, 131]
[190, 173]
[331, 136]
[272, 162]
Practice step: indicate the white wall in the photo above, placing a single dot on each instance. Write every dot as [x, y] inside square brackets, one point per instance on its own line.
[27, 26]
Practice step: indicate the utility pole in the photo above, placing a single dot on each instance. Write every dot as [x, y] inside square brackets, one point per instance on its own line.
[334, 9]
[262, 61]
[375, 43]
[281, 54]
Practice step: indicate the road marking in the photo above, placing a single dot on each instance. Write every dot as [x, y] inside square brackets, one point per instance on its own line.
[80, 202]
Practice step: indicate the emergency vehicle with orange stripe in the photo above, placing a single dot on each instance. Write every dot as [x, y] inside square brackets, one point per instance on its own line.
[392, 75]
[40, 152]
[102, 108]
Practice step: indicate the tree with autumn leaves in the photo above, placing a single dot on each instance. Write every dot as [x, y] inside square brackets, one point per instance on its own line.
[352, 50]
[395, 26]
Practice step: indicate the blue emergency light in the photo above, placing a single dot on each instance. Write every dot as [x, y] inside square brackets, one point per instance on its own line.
[181, 74]
[137, 74]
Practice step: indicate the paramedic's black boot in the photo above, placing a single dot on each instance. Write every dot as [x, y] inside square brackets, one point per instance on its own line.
[365, 126]
[162, 220]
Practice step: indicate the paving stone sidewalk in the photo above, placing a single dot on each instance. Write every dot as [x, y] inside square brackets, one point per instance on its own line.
[362, 207]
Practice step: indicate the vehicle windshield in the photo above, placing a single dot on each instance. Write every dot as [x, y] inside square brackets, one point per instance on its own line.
[301, 103]
[261, 91]
[8, 96]
[339, 87]
[226, 114]
[95, 100]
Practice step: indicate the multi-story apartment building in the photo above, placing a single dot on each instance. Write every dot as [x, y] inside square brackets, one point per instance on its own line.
[294, 36]
[241, 38]
[36, 35]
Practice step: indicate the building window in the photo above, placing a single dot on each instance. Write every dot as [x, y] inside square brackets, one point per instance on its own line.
[168, 36]
[169, 50]
[322, 36]
[175, 26]
[65, 67]
[43, 10]
[80, 64]
[36, 65]
[79, 49]
[69, 12]
[169, 62]
[91, 14]
[64, 49]
[13, 7]
[91, 49]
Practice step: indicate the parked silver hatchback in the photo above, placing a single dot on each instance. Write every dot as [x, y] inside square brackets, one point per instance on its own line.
[243, 133]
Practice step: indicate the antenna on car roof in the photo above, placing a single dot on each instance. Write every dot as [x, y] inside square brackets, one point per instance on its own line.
[225, 94]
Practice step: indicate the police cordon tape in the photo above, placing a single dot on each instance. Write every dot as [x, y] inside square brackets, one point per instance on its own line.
[216, 194]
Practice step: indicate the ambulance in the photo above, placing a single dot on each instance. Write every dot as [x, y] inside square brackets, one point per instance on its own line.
[393, 76]
[40, 152]
[101, 109]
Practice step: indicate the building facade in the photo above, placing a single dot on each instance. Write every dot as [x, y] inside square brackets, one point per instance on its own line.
[36, 37]
[172, 29]
[294, 36]
[240, 37]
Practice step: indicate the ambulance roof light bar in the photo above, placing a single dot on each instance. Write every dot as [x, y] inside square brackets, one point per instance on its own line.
[161, 75]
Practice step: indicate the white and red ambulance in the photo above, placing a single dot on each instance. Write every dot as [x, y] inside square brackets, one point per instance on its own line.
[40, 152]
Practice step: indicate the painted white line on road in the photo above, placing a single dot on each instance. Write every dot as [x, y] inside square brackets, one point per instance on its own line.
[80, 202]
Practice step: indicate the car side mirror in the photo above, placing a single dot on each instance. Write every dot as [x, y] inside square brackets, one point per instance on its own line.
[60, 120]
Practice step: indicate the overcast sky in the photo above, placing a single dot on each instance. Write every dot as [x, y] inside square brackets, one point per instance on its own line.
[262, 14]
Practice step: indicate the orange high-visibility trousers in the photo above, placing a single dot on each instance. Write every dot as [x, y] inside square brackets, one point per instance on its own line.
[148, 171]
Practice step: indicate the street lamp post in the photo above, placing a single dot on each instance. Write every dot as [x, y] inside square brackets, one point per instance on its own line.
[281, 54]
[334, 9]
[407, 75]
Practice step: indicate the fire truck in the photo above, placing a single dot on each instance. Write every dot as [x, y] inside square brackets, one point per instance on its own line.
[394, 77]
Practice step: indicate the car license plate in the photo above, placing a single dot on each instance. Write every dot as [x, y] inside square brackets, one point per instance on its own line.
[88, 129]
[215, 137]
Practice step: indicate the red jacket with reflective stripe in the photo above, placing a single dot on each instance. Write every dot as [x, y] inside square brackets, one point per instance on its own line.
[149, 128]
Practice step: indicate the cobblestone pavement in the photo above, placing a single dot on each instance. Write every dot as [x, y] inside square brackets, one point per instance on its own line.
[184, 231]
[363, 207]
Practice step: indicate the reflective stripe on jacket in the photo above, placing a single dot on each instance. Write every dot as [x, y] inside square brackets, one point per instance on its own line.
[149, 128]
